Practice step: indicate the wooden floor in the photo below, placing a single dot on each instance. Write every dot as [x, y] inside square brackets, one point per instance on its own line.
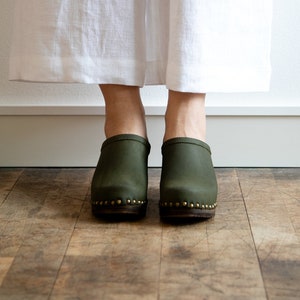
[52, 248]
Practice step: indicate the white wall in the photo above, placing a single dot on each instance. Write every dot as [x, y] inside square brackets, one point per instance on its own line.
[283, 99]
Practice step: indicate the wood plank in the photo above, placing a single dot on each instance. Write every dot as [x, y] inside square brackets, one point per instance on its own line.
[288, 183]
[214, 259]
[8, 178]
[272, 201]
[5, 263]
[40, 214]
[122, 258]
[12, 234]
[37, 262]
[114, 256]
[29, 194]
[47, 194]
[52, 246]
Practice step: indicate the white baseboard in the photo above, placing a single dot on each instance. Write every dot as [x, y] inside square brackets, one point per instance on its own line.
[59, 136]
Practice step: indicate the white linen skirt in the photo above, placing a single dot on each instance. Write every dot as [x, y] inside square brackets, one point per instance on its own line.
[187, 45]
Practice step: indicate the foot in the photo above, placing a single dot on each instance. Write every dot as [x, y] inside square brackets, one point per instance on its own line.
[188, 187]
[119, 185]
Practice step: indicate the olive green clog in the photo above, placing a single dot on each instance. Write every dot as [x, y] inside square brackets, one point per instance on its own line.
[120, 181]
[188, 186]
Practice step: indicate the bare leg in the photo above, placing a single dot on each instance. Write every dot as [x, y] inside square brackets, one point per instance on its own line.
[188, 186]
[185, 116]
[124, 110]
[119, 185]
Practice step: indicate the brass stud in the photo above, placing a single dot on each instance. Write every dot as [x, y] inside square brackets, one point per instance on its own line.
[106, 202]
[101, 203]
[184, 203]
[119, 202]
[192, 205]
[166, 203]
[112, 202]
[197, 204]
[128, 201]
[177, 204]
[171, 204]
[133, 201]
[139, 202]
[202, 206]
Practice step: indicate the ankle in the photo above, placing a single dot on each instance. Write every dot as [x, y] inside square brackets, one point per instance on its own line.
[124, 111]
[170, 134]
[113, 130]
[122, 121]
[185, 131]
[185, 116]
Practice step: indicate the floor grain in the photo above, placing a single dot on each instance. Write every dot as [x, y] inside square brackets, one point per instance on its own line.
[51, 247]
[272, 201]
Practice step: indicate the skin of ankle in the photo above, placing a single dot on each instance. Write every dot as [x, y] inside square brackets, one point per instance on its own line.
[124, 110]
[185, 116]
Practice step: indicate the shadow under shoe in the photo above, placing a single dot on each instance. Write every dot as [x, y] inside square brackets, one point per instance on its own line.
[119, 185]
[188, 186]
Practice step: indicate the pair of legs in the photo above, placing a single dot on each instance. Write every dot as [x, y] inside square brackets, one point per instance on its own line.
[188, 187]
[185, 114]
